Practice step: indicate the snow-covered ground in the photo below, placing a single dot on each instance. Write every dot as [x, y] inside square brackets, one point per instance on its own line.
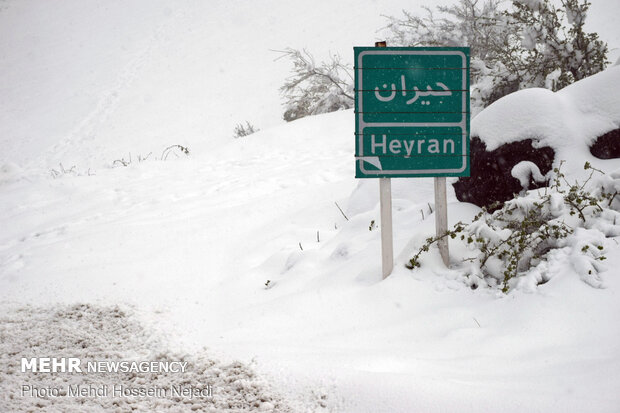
[239, 251]
[110, 334]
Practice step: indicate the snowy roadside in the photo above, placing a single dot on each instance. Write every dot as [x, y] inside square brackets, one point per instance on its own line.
[107, 334]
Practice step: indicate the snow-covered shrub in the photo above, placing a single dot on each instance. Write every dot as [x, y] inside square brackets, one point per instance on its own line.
[607, 146]
[61, 171]
[242, 130]
[126, 162]
[467, 23]
[175, 150]
[558, 51]
[312, 89]
[542, 127]
[531, 44]
[493, 178]
[479, 25]
[511, 243]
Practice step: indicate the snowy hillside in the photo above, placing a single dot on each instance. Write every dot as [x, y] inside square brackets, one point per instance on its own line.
[239, 250]
[191, 243]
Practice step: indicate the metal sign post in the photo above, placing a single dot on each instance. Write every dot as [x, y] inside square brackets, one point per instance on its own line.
[412, 119]
[387, 239]
[441, 218]
[385, 202]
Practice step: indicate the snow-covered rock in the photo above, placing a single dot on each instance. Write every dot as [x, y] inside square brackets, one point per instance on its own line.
[561, 126]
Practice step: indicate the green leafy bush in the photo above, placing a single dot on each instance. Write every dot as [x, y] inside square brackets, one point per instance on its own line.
[518, 237]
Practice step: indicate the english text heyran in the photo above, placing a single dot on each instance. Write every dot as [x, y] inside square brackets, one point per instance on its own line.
[407, 147]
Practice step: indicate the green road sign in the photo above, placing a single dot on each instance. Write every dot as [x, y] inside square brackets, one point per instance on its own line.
[411, 111]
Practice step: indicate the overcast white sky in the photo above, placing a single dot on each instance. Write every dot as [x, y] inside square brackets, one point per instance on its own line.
[181, 71]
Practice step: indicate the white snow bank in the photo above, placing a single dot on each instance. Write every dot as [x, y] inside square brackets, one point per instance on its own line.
[567, 121]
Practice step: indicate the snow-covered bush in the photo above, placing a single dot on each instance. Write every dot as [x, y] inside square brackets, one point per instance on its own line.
[607, 146]
[531, 44]
[493, 178]
[511, 244]
[175, 150]
[558, 51]
[542, 127]
[479, 25]
[312, 89]
[242, 130]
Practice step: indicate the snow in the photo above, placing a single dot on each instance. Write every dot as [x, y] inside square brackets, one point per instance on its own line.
[117, 78]
[598, 22]
[110, 334]
[237, 252]
[530, 36]
[567, 121]
[525, 171]
[237, 216]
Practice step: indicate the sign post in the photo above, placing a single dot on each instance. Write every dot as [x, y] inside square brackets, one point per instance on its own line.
[441, 218]
[412, 119]
[385, 204]
[387, 247]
